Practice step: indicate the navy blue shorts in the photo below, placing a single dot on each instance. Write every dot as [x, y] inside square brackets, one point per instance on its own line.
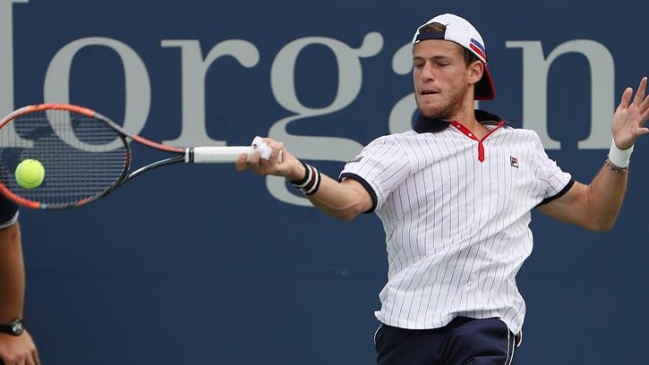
[464, 341]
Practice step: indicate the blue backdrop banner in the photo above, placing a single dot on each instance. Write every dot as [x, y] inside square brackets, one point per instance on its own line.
[200, 264]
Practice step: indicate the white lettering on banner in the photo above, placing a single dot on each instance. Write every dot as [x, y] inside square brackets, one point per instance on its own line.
[7, 70]
[535, 89]
[193, 73]
[194, 67]
[138, 87]
[350, 80]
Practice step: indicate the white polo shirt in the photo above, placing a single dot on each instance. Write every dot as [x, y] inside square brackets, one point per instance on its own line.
[456, 214]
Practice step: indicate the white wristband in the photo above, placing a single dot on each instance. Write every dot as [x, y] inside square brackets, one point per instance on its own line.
[618, 157]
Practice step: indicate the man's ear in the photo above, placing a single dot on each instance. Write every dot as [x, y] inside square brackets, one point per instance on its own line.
[476, 70]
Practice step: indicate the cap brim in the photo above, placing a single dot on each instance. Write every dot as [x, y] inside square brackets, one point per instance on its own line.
[484, 89]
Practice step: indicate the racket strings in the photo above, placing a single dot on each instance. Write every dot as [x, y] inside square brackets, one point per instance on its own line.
[83, 157]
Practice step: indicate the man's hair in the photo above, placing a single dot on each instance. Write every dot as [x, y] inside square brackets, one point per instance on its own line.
[469, 57]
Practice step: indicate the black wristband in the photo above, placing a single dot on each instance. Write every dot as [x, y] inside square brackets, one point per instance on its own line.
[14, 328]
[310, 184]
[307, 171]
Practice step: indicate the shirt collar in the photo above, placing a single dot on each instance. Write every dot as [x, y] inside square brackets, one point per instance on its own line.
[425, 124]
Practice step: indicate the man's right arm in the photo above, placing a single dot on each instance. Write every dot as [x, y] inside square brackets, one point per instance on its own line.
[344, 200]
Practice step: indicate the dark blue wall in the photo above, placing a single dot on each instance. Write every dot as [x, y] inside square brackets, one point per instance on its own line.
[203, 265]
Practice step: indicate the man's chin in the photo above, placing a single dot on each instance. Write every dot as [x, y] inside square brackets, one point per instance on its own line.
[433, 113]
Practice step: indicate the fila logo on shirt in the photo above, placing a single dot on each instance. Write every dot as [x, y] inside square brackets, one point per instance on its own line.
[513, 161]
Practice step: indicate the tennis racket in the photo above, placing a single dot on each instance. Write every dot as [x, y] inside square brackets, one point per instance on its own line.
[85, 155]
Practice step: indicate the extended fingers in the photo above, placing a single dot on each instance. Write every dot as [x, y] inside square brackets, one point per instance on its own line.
[640, 93]
[644, 109]
[626, 98]
[641, 101]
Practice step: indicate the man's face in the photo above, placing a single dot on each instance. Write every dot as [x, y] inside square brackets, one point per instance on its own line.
[441, 78]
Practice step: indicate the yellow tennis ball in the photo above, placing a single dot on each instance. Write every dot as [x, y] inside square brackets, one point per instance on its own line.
[30, 173]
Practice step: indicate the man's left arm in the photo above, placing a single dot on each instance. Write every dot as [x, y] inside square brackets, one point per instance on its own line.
[596, 206]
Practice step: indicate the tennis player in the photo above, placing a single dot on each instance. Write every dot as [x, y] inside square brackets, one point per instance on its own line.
[16, 345]
[455, 196]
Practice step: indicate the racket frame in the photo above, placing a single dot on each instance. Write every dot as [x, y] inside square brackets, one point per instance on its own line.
[214, 154]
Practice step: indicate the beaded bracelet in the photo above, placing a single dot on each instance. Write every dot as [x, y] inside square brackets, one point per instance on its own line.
[618, 160]
[310, 183]
[615, 168]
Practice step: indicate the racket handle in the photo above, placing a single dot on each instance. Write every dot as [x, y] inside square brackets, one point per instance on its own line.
[221, 154]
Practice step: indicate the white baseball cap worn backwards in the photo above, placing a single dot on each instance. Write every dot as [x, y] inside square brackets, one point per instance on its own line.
[460, 31]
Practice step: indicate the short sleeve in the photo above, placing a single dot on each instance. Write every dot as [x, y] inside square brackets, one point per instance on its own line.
[556, 181]
[379, 167]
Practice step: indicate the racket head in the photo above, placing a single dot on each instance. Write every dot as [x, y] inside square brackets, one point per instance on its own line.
[85, 155]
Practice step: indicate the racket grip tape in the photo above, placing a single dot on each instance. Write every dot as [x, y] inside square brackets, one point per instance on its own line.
[219, 154]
